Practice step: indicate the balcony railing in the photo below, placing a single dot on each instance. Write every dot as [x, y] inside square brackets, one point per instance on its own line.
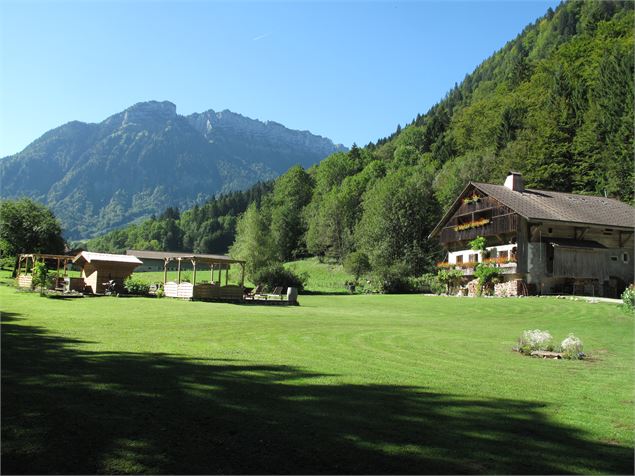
[497, 225]
[505, 265]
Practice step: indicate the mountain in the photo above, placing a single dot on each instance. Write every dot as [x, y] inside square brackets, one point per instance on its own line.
[97, 177]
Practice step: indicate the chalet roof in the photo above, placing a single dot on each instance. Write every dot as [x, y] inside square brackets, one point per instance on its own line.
[90, 257]
[544, 205]
[565, 207]
[182, 254]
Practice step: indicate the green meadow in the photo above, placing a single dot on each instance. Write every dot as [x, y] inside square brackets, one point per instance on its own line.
[341, 384]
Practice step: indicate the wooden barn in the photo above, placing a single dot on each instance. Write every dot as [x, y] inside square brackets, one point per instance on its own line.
[99, 268]
[544, 242]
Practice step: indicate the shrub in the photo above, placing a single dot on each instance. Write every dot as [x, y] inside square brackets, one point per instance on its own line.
[450, 279]
[393, 279]
[535, 340]
[487, 275]
[628, 296]
[429, 283]
[357, 264]
[160, 292]
[276, 275]
[571, 348]
[136, 286]
[7, 262]
[40, 276]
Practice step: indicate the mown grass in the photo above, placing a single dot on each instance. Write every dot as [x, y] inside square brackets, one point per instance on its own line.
[341, 384]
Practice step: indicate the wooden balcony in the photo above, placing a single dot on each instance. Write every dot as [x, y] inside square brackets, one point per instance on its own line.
[498, 225]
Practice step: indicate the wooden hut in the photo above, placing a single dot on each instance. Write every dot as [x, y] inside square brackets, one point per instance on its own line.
[99, 268]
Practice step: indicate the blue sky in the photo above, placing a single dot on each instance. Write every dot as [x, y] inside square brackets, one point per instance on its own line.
[348, 71]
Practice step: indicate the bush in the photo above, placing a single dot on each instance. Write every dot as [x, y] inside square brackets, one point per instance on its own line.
[276, 275]
[628, 296]
[571, 348]
[394, 279]
[160, 292]
[7, 262]
[357, 264]
[449, 279]
[136, 286]
[487, 275]
[40, 276]
[535, 340]
[429, 283]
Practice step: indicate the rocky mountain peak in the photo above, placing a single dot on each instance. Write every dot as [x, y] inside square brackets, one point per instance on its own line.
[143, 112]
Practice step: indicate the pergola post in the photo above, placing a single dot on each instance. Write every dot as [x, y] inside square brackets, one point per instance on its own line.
[227, 274]
[165, 270]
[193, 272]
[211, 273]
[178, 279]
[19, 265]
[242, 275]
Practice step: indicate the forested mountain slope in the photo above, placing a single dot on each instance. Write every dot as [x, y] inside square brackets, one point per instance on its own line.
[556, 103]
[97, 177]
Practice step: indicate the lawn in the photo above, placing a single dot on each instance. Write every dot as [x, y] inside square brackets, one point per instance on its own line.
[341, 384]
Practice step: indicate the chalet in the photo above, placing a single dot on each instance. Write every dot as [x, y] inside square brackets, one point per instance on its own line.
[544, 242]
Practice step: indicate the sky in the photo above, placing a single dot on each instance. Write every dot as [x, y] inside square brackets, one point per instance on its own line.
[349, 71]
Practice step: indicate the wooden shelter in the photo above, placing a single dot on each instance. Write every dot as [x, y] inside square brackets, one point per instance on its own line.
[99, 268]
[27, 261]
[218, 268]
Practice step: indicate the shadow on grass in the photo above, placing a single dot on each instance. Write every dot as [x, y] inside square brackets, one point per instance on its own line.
[68, 410]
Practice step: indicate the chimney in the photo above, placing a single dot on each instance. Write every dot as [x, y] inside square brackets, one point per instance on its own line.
[514, 181]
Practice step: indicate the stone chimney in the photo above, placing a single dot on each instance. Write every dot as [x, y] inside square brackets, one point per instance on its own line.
[514, 181]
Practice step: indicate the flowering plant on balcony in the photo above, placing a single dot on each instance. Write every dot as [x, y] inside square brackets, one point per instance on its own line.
[500, 260]
[464, 265]
[472, 224]
[472, 199]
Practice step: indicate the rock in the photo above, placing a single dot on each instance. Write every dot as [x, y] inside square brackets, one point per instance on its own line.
[545, 354]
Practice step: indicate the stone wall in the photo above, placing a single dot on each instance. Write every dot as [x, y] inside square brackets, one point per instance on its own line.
[515, 287]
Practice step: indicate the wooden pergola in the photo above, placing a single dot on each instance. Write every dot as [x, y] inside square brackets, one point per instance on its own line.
[35, 257]
[22, 274]
[216, 263]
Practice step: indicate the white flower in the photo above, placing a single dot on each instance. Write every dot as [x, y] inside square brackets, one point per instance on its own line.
[536, 339]
[571, 345]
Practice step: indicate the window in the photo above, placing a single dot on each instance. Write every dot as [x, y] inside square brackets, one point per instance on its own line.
[473, 258]
[613, 258]
[503, 254]
[459, 259]
[625, 257]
